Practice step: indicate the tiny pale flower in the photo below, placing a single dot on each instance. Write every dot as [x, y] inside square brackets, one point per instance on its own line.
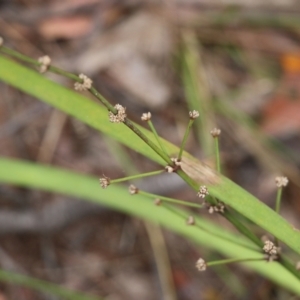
[120, 116]
[176, 161]
[146, 116]
[45, 63]
[281, 181]
[203, 191]
[270, 248]
[194, 114]
[104, 182]
[215, 132]
[201, 264]
[169, 169]
[85, 85]
[133, 189]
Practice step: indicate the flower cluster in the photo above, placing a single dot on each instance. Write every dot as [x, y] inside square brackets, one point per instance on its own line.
[215, 132]
[203, 191]
[194, 114]
[45, 62]
[133, 189]
[201, 264]
[176, 161]
[85, 85]
[120, 116]
[219, 208]
[169, 169]
[146, 116]
[104, 182]
[281, 181]
[271, 250]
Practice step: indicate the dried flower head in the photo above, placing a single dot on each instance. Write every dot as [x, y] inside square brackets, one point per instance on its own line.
[146, 116]
[104, 182]
[190, 220]
[176, 161]
[1, 41]
[120, 116]
[45, 63]
[133, 189]
[201, 264]
[215, 132]
[157, 201]
[85, 85]
[194, 114]
[281, 181]
[203, 191]
[219, 208]
[169, 169]
[270, 248]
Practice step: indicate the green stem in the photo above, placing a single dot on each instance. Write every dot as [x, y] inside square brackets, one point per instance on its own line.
[232, 260]
[156, 136]
[217, 150]
[171, 200]
[136, 176]
[133, 127]
[278, 200]
[277, 208]
[186, 134]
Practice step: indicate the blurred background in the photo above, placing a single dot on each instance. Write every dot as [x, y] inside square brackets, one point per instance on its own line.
[237, 62]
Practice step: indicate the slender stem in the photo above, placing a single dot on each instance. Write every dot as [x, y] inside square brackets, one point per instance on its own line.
[277, 208]
[278, 200]
[186, 134]
[133, 127]
[136, 176]
[171, 200]
[217, 150]
[156, 136]
[232, 260]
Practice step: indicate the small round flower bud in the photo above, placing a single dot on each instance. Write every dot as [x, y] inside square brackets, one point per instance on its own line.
[176, 161]
[201, 264]
[270, 248]
[120, 116]
[190, 220]
[146, 116]
[211, 209]
[85, 85]
[281, 181]
[45, 63]
[104, 182]
[194, 114]
[298, 266]
[133, 189]
[169, 169]
[1, 41]
[203, 191]
[215, 132]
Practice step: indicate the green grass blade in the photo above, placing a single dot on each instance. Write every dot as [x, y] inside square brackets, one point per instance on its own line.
[52, 179]
[43, 286]
[96, 116]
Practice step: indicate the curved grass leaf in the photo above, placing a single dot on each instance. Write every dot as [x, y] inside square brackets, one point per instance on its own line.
[56, 180]
[43, 286]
